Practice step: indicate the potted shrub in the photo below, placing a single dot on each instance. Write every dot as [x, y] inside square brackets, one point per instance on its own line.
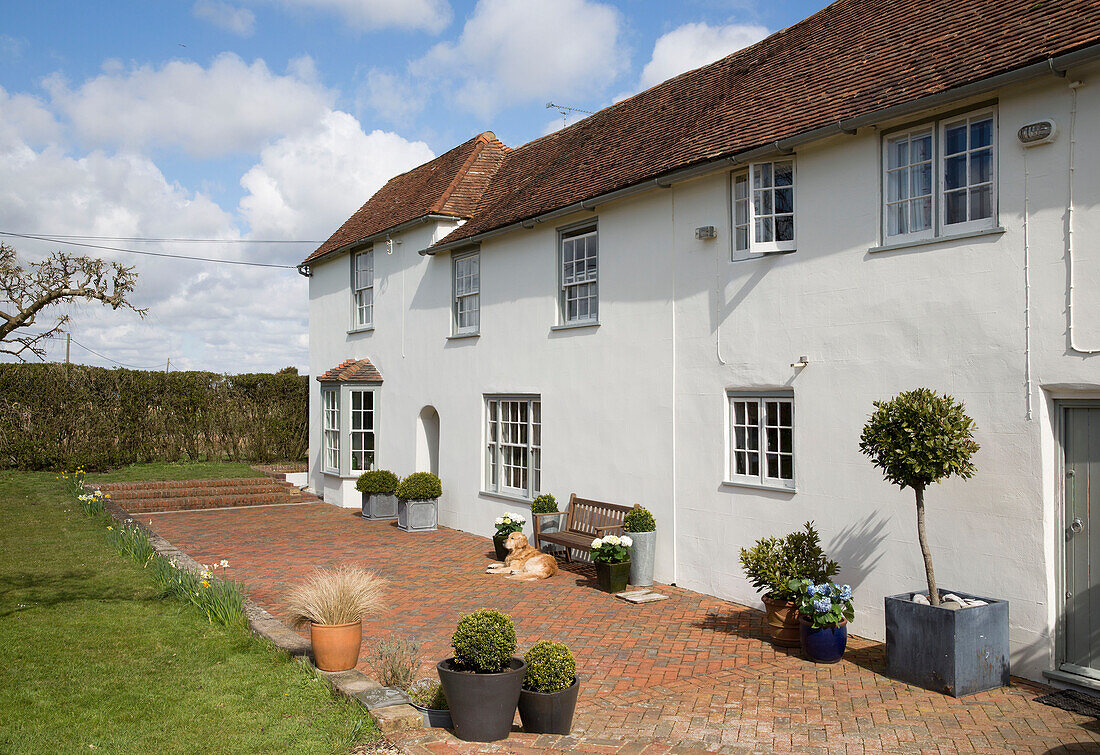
[483, 679]
[824, 611]
[506, 525]
[333, 602]
[549, 695]
[640, 524]
[772, 563]
[547, 518]
[417, 496]
[957, 646]
[379, 488]
[428, 697]
[612, 558]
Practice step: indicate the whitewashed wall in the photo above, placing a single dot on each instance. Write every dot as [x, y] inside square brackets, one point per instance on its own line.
[947, 315]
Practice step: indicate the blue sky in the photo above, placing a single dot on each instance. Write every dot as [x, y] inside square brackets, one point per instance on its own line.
[275, 119]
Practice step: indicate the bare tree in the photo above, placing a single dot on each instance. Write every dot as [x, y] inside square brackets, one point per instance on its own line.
[26, 291]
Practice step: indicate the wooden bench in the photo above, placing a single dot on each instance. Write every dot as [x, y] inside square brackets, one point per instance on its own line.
[585, 520]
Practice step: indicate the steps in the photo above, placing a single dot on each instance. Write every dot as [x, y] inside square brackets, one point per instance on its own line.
[196, 495]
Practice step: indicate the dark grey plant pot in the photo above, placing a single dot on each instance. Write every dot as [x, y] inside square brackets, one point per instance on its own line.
[642, 554]
[549, 712]
[436, 719]
[955, 652]
[417, 516]
[482, 705]
[379, 506]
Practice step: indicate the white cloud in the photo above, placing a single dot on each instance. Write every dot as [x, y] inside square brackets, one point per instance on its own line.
[239, 21]
[230, 106]
[306, 185]
[25, 118]
[370, 15]
[397, 98]
[693, 45]
[514, 51]
[11, 47]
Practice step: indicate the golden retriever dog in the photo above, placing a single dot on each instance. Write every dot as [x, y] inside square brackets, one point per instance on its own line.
[524, 561]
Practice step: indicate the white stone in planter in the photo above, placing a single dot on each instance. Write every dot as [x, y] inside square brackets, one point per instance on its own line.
[417, 515]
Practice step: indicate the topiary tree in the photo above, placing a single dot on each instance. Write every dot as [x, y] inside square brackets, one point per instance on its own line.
[484, 641]
[420, 486]
[377, 481]
[544, 504]
[917, 438]
[639, 519]
[550, 667]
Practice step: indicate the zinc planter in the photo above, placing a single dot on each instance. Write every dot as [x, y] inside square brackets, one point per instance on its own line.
[612, 577]
[498, 546]
[782, 622]
[435, 719]
[336, 646]
[548, 712]
[548, 525]
[482, 705]
[825, 644]
[956, 652]
[417, 515]
[642, 552]
[379, 506]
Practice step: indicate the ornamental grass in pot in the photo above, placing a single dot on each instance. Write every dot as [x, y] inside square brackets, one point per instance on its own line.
[333, 602]
[482, 680]
[824, 611]
[506, 525]
[379, 488]
[642, 527]
[772, 563]
[550, 686]
[611, 555]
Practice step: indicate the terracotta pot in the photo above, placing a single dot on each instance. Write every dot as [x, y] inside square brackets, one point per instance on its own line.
[782, 620]
[336, 646]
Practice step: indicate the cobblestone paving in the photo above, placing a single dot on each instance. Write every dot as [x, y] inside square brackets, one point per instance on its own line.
[688, 674]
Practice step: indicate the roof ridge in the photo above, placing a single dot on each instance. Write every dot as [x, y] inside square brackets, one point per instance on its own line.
[482, 140]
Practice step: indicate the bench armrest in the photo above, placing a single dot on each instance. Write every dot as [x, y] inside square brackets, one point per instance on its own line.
[608, 527]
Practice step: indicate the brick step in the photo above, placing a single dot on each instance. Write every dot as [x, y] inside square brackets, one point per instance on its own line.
[172, 484]
[189, 503]
[198, 490]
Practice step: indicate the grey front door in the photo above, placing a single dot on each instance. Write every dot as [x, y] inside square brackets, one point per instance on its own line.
[1081, 444]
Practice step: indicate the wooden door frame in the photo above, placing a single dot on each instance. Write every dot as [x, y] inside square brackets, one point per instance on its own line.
[1060, 407]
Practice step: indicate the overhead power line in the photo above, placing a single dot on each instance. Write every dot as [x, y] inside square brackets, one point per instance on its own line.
[102, 356]
[147, 239]
[148, 253]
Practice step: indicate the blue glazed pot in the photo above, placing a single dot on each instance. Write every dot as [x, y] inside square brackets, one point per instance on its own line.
[824, 645]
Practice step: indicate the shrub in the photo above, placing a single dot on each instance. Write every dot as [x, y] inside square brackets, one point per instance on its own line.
[918, 438]
[377, 481]
[484, 641]
[639, 520]
[420, 486]
[550, 667]
[509, 523]
[337, 596]
[611, 549]
[544, 504]
[773, 562]
[824, 605]
[428, 693]
[395, 662]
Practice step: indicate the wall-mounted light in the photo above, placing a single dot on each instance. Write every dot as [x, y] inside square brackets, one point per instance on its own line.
[803, 361]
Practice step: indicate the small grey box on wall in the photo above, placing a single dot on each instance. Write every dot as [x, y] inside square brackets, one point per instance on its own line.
[706, 232]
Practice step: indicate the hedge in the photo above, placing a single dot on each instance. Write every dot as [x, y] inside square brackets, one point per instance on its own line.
[56, 416]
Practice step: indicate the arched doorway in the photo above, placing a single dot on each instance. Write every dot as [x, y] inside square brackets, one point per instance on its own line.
[427, 441]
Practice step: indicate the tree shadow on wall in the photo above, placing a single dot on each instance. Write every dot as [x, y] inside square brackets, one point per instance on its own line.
[858, 549]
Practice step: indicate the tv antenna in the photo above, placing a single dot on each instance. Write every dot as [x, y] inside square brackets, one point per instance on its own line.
[565, 110]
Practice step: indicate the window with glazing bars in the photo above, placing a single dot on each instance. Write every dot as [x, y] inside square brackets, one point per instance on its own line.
[580, 260]
[763, 208]
[363, 288]
[467, 288]
[362, 430]
[762, 440]
[513, 446]
[330, 429]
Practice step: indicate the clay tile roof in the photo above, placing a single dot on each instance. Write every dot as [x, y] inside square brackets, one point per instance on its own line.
[352, 371]
[852, 58]
[451, 184]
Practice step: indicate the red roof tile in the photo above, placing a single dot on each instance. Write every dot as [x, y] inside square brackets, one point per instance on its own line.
[852, 58]
[451, 184]
[352, 371]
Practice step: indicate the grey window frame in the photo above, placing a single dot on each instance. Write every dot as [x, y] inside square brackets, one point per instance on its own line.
[456, 297]
[357, 289]
[372, 431]
[493, 445]
[328, 432]
[569, 233]
[762, 479]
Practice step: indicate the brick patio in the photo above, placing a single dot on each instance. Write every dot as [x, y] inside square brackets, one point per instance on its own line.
[688, 674]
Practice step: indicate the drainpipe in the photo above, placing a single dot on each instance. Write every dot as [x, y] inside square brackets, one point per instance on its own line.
[675, 466]
[1074, 85]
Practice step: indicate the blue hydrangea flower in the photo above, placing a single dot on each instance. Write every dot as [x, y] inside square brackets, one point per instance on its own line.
[846, 592]
[823, 605]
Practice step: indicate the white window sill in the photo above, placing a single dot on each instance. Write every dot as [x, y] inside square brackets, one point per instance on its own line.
[576, 325]
[759, 486]
[762, 255]
[936, 239]
[505, 497]
[364, 329]
[459, 336]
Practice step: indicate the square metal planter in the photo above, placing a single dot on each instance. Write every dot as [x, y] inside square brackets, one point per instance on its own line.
[379, 506]
[955, 652]
[417, 516]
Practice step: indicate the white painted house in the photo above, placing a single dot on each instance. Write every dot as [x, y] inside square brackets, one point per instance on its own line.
[691, 299]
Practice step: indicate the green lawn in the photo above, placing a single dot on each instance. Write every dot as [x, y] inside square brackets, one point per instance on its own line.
[90, 659]
[165, 470]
